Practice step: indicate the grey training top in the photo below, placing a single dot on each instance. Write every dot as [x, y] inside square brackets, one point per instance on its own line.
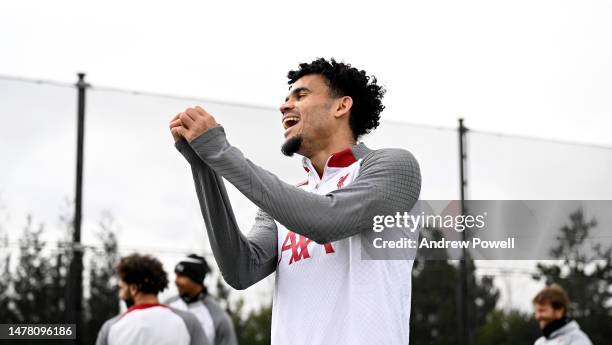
[389, 181]
[222, 326]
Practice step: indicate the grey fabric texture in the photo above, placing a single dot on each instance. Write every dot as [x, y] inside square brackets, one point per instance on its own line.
[171, 299]
[196, 333]
[570, 334]
[224, 328]
[389, 181]
[102, 338]
[243, 260]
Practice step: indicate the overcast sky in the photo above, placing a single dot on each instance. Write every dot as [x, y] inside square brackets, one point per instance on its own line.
[536, 68]
[539, 68]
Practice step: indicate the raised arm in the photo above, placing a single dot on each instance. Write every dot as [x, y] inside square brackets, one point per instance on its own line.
[243, 260]
[389, 181]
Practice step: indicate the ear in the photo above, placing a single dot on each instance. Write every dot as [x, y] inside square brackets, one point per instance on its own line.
[559, 313]
[133, 289]
[343, 107]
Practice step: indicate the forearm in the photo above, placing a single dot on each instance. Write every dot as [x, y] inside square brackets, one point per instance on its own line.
[242, 260]
[322, 218]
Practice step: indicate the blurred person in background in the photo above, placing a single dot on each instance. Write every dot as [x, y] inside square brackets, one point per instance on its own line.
[193, 297]
[552, 313]
[146, 321]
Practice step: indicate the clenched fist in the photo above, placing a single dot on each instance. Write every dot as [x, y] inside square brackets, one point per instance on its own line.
[191, 123]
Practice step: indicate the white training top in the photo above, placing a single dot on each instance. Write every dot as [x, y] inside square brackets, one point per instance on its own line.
[152, 324]
[201, 312]
[326, 293]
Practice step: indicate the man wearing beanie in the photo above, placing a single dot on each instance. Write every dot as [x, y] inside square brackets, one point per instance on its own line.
[146, 321]
[193, 296]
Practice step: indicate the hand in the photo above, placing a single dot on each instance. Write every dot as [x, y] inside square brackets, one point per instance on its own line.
[191, 123]
[174, 124]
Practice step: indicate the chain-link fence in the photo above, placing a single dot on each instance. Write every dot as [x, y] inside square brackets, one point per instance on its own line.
[133, 172]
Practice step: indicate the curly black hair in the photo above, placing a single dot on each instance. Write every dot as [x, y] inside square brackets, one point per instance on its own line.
[345, 80]
[145, 271]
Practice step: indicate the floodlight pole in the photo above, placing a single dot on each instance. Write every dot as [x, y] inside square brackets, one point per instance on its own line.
[464, 302]
[74, 300]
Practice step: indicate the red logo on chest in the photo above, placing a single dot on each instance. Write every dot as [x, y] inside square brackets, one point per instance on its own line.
[341, 181]
[298, 245]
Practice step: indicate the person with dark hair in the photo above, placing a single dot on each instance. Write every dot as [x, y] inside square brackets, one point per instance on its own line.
[310, 234]
[551, 306]
[193, 297]
[146, 322]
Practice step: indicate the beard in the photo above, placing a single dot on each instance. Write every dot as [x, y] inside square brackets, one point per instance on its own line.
[129, 300]
[188, 298]
[292, 145]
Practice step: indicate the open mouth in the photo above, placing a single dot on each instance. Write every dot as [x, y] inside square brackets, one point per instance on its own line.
[290, 121]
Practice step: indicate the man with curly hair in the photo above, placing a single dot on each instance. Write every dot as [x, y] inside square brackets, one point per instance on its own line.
[310, 234]
[147, 322]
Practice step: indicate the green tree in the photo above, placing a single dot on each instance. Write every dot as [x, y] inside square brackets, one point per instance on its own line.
[507, 328]
[103, 301]
[435, 297]
[586, 274]
[433, 319]
[36, 281]
[34, 290]
[256, 328]
[7, 313]
[37, 299]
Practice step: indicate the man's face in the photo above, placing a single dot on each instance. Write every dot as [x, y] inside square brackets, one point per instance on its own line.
[545, 314]
[307, 114]
[186, 286]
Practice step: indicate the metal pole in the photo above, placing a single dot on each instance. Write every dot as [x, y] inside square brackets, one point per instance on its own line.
[75, 286]
[82, 86]
[462, 161]
[463, 303]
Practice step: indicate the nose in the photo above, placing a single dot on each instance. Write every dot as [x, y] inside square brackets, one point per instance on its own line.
[286, 106]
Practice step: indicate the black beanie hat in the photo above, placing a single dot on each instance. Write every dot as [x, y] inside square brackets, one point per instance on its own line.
[194, 267]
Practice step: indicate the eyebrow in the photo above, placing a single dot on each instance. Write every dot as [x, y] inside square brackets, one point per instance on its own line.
[296, 91]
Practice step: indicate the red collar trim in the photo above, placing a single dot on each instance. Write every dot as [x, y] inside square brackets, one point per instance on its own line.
[144, 306]
[342, 159]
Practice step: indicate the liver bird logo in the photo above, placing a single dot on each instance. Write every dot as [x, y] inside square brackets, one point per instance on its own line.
[341, 181]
